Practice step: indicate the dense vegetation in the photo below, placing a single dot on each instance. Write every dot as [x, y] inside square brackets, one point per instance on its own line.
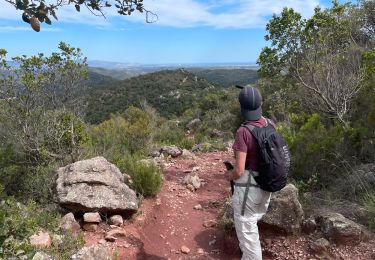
[228, 77]
[318, 84]
[170, 92]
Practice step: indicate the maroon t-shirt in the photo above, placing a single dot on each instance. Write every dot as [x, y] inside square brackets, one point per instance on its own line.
[245, 142]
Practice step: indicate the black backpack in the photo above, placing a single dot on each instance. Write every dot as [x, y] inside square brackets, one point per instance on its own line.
[274, 157]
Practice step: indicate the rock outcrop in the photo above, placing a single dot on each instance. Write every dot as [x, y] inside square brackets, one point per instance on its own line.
[94, 185]
[341, 230]
[284, 212]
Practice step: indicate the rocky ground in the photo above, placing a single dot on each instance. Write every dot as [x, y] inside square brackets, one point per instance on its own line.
[181, 223]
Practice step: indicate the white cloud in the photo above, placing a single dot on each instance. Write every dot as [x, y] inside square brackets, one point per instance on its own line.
[225, 13]
[188, 13]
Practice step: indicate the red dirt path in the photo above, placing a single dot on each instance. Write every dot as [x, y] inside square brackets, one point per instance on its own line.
[166, 223]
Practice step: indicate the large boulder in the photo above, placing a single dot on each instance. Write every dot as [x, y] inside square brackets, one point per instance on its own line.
[284, 212]
[341, 230]
[94, 185]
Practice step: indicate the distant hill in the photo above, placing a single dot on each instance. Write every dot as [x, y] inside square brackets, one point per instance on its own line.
[96, 80]
[170, 92]
[227, 77]
[121, 73]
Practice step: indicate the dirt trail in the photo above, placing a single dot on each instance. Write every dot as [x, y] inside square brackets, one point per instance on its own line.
[168, 222]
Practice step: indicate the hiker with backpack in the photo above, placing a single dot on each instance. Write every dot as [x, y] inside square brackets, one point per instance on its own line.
[261, 167]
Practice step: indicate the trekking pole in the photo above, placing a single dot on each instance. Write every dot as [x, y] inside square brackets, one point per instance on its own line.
[229, 166]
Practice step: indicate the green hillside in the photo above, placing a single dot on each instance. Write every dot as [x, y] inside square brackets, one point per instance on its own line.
[228, 77]
[98, 80]
[170, 92]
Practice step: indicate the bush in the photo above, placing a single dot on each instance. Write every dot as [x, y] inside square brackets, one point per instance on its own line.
[314, 148]
[131, 132]
[170, 133]
[33, 182]
[368, 202]
[147, 178]
[18, 222]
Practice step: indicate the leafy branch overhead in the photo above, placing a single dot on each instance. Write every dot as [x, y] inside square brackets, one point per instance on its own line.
[38, 11]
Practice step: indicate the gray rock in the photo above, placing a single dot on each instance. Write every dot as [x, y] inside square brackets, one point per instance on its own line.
[97, 252]
[319, 246]
[68, 224]
[341, 230]
[116, 220]
[285, 211]
[171, 150]
[92, 217]
[94, 185]
[186, 154]
[193, 180]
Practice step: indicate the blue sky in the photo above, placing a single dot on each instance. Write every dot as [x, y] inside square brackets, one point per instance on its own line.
[187, 31]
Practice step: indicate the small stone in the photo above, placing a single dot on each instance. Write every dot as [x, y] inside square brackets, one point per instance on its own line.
[158, 202]
[116, 220]
[209, 223]
[41, 240]
[185, 250]
[93, 217]
[90, 227]
[102, 241]
[200, 251]
[190, 187]
[198, 207]
[68, 224]
[212, 242]
[118, 232]
[110, 238]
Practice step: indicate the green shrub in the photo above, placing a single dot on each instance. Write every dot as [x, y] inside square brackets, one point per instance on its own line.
[368, 202]
[305, 186]
[18, 222]
[147, 178]
[226, 216]
[314, 148]
[171, 133]
[33, 182]
[67, 246]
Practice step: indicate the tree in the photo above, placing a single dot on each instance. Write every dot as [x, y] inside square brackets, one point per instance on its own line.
[322, 55]
[40, 110]
[38, 11]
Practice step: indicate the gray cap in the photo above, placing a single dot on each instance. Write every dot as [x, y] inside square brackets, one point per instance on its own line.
[250, 101]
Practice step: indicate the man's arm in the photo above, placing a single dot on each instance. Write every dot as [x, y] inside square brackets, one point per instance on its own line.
[239, 167]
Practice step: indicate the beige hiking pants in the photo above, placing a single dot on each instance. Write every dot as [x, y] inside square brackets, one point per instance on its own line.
[246, 225]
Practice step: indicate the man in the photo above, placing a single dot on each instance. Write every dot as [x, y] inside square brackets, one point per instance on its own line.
[246, 215]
